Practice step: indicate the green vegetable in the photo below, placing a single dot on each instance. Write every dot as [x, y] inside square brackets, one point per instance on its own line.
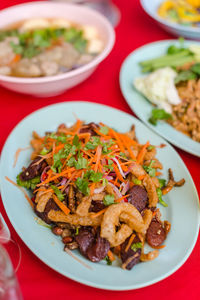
[196, 68]
[162, 182]
[58, 193]
[108, 200]
[151, 147]
[159, 114]
[107, 259]
[76, 141]
[44, 151]
[151, 171]
[93, 176]
[82, 163]
[104, 181]
[93, 143]
[17, 48]
[168, 60]
[104, 130]
[109, 166]
[77, 231]
[161, 201]
[136, 246]
[137, 181]
[29, 184]
[184, 76]
[57, 164]
[82, 185]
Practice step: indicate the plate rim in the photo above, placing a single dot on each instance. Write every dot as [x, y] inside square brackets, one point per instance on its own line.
[67, 274]
[128, 101]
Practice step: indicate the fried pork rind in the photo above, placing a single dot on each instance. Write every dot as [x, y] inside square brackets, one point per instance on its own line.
[74, 219]
[149, 256]
[83, 208]
[42, 199]
[111, 219]
[151, 191]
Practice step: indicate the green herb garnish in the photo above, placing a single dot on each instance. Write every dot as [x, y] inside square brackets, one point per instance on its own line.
[136, 246]
[159, 114]
[104, 130]
[82, 185]
[108, 200]
[151, 171]
[29, 184]
[137, 181]
[107, 259]
[161, 201]
[58, 193]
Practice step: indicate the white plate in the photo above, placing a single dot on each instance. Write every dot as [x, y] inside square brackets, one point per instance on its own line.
[182, 212]
[140, 105]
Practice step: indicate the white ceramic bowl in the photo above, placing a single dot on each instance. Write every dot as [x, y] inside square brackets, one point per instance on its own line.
[151, 6]
[54, 85]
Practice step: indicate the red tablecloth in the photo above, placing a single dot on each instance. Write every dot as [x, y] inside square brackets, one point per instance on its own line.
[38, 281]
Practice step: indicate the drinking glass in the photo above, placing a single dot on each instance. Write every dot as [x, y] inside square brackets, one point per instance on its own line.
[9, 287]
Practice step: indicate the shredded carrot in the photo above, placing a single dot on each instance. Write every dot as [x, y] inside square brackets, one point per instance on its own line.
[56, 176]
[142, 153]
[117, 138]
[126, 143]
[64, 208]
[159, 247]
[120, 199]
[16, 58]
[17, 153]
[98, 213]
[92, 187]
[98, 157]
[19, 187]
[130, 242]
[118, 173]
[141, 177]
[110, 255]
[158, 173]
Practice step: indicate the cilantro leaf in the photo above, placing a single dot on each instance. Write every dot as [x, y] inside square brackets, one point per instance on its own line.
[136, 246]
[162, 182]
[104, 130]
[137, 181]
[71, 161]
[161, 201]
[184, 76]
[151, 147]
[196, 68]
[29, 184]
[58, 193]
[44, 151]
[93, 143]
[82, 185]
[159, 114]
[108, 200]
[82, 163]
[57, 165]
[107, 259]
[151, 171]
[93, 176]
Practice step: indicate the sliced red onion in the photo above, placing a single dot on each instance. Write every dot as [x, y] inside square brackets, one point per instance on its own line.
[63, 181]
[125, 188]
[115, 190]
[119, 167]
[108, 177]
[99, 190]
[67, 190]
[43, 172]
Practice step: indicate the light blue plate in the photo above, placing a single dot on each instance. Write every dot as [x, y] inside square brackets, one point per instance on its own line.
[182, 212]
[140, 105]
[151, 6]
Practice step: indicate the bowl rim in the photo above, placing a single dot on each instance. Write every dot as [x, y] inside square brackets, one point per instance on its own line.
[70, 74]
[155, 16]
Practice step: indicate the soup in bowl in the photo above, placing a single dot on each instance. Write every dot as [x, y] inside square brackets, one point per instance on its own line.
[53, 49]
